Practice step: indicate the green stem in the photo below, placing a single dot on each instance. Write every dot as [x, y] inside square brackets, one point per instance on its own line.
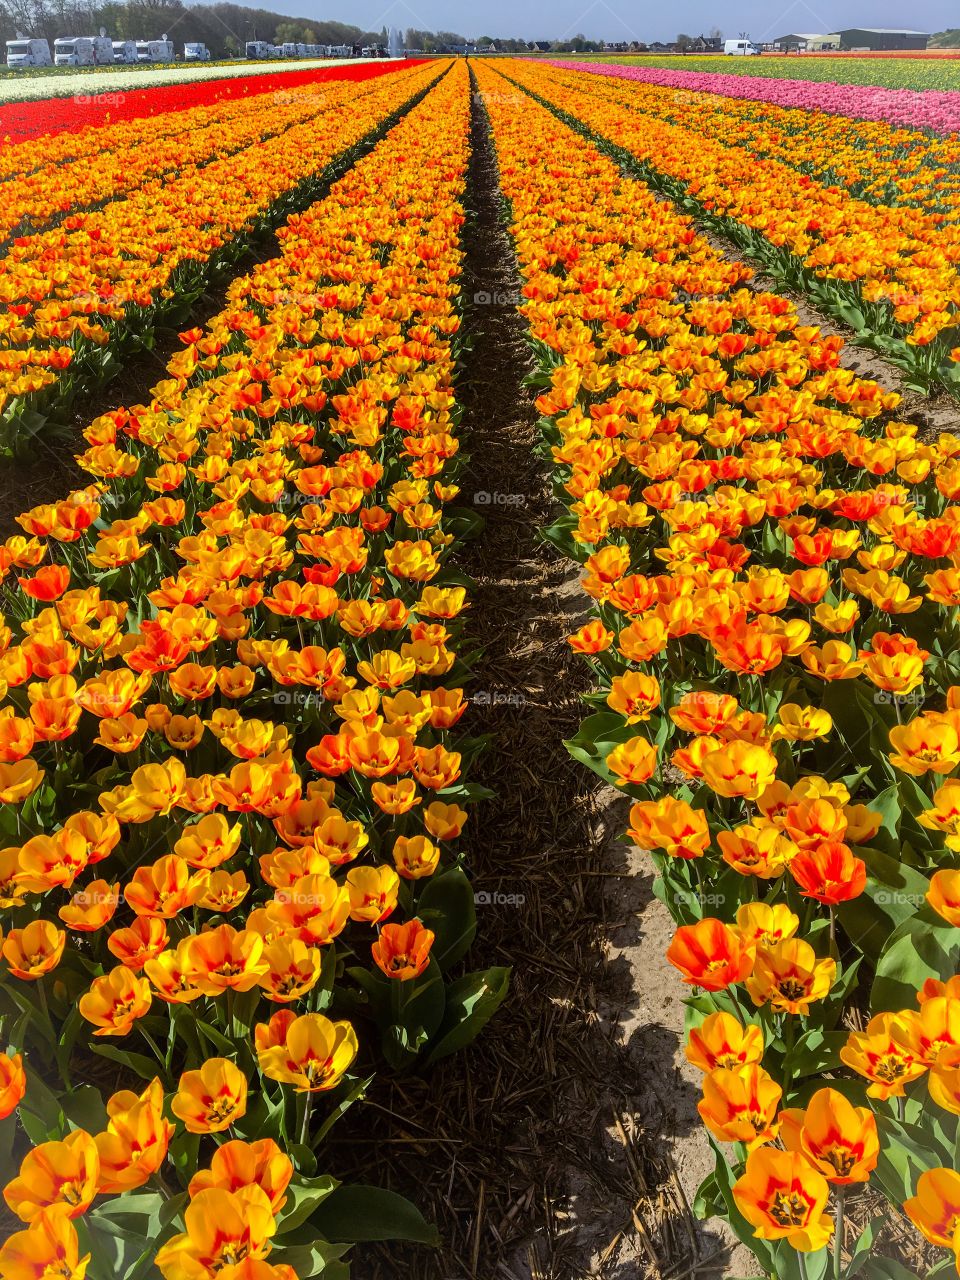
[305, 1126]
[838, 1234]
[229, 1016]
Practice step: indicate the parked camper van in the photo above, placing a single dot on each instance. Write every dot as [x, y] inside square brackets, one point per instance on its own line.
[740, 48]
[73, 51]
[22, 53]
[155, 50]
[124, 51]
[196, 52]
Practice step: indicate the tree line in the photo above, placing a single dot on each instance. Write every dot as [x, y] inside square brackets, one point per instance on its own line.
[223, 27]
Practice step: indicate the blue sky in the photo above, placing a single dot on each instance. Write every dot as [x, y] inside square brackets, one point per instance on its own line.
[627, 20]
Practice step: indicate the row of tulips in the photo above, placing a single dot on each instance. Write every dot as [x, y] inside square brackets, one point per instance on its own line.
[889, 271]
[771, 558]
[66, 174]
[71, 294]
[874, 161]
[230, 767]
[937, 110]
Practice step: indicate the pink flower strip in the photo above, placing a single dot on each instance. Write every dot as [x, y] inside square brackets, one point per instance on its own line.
[913, 108]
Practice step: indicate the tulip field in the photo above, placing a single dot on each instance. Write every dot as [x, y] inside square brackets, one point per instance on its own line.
[242, 746]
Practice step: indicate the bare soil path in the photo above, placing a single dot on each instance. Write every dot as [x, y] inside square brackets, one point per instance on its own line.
[564, 1143]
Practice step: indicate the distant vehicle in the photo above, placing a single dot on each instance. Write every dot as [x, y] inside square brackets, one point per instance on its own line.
[22, 53]
[258, 49]
[196, 51]
[103, 51]
[75, 51]
[740, 48]
[155, 50]
[124, 50]
[288, 49]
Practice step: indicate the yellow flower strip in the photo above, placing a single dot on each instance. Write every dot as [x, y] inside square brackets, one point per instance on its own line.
[774, 564]
[880, 162]
[901, 258]
[60, 288]
[229, 744]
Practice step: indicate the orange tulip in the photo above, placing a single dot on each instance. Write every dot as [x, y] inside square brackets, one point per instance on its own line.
[292, 969]
[710, 954]
[784, 1198]
[935, 1209]
[739, 769]
[49, 1247]
[633, 762]
[944, 895]
[211, 1099]
[740, 1104]
[415, 857]
[878, 1053]
[224, 959]
[236, 1165]
[671, 825]
[931, 1033]
[789, 977]
[839, 1139]
[372, 892]
[403, 950]
[33, 950]
[721, 1041]
[13, 1083]
[115, 1001]
[142, 941]
[134, 1144]
[56, 1173]
[829, 873]
[310, 1052]
[91, 907]
[164, 888]
[223, 1228]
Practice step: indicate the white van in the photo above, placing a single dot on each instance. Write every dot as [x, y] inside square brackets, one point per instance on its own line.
[103, 51]
[195, 51]
[73, 51]
[154, 50]
[124, 51]
[22, 53]
[740, 48]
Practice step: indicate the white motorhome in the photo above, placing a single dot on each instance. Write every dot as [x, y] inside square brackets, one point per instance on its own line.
[124, 50]
[23, 52]
[257, 49]
[103, 51]
[155, 50]
[740, 48]
[288, 50]
[195, 51]
[74, 51]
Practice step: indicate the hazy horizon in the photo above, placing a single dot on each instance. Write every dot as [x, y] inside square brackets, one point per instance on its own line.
[616, 20]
